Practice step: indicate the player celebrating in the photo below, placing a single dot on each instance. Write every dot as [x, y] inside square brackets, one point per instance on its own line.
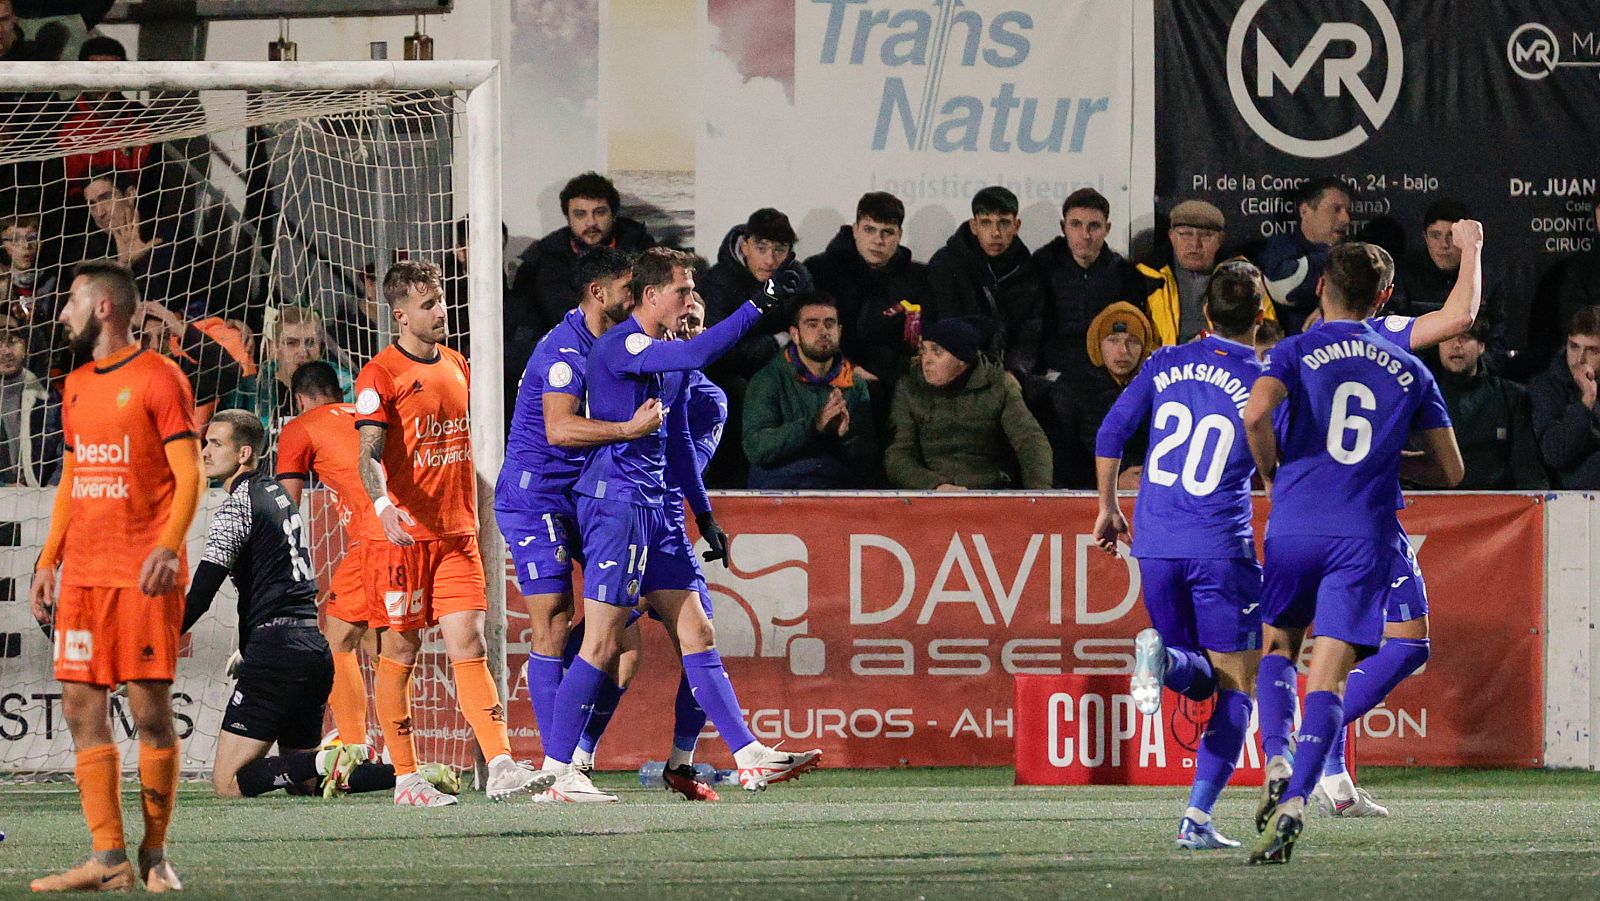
[1406, 646]
[322, 440]
[549, 439]
[423, 563]
[130, 484]
[631, 550]
[1197, 559]
[1353, 401]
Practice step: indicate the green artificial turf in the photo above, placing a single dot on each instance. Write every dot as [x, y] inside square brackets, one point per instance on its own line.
[853, 833]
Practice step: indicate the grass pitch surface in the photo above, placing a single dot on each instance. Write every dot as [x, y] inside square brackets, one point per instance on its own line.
[852, 833]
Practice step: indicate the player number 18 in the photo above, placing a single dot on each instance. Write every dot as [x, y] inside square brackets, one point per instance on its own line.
[1342, 419]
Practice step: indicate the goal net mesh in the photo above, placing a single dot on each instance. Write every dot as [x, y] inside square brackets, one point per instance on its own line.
[257, 224]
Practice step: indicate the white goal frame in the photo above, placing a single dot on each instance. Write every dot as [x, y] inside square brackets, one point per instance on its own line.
[480, 81]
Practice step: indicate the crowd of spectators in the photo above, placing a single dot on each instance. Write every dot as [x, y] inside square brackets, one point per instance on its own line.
[991, 366]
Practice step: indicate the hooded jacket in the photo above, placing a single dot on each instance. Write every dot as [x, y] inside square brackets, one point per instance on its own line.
[963, 434]
[1003, 292]
[780, 436]
[1077, 295]
[544, 288]
[879, 308]
[1568, 432]
[725, 287]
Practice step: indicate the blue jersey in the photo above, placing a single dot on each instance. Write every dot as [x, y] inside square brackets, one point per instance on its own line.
[708, 413]
[557, 366]
[628, 367]
[1353, 401]
[1194, 496]
[1395, 329]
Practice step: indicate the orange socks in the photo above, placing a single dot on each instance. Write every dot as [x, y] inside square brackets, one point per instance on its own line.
[349, 699]
[394, 714]
[480, 704]
[99, 788]
[158, 775]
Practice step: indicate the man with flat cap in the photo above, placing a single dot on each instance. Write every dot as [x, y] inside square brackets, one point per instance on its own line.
[1176, 300]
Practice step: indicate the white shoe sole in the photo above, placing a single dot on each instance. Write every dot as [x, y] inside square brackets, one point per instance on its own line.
[1149, 665]
[538, 782]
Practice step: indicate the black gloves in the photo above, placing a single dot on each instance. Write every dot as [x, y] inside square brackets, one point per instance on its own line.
[784, 284]
[715, 538]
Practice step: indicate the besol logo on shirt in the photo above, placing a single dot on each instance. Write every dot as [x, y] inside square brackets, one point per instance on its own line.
[102, 453]
[434, 427]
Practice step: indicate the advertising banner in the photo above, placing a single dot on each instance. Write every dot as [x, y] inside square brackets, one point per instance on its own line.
[930, 100]
[1488, 104]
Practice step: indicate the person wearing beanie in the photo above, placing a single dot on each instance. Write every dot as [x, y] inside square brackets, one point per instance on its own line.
[1118, 342]
[1176, 285]
[957, 417]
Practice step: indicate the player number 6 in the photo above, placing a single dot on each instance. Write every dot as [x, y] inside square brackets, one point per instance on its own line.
[1342, 420]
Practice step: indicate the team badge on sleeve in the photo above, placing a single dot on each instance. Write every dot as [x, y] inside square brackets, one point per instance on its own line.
[637, 342]
[367, 401]
[1396, 323]
[560, 375]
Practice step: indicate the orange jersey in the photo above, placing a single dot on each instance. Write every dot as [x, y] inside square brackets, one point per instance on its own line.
[117, 418]
[427, 456]
[324, 441]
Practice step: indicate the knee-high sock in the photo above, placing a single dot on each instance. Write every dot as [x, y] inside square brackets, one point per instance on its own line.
[1322, 718]
[1219, 748]
[574, 644]
[271, 773]
[710, 685]
[393, 697]
[605, 706]
[1275, 684]
[480, 703]
[1189, 673]
[1371, 682]
[348, 699]
[158, 776]
[688, 720]
[99, 773]
[544, 678]
[573, 703]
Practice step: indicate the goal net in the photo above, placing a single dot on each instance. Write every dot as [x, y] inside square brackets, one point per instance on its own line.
[259, 206]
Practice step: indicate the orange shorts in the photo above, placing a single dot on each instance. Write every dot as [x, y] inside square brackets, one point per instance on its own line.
[347, 595]
[108, 636]
[412, 587]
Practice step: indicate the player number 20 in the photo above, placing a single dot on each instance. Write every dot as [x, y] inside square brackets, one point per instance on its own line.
[1344, 423]
[1198, 437]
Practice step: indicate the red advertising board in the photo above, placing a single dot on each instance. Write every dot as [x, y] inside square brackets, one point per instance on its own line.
[1084, 730]
[889, 629]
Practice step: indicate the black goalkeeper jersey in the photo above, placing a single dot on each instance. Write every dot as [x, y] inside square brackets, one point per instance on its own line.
[257, 537]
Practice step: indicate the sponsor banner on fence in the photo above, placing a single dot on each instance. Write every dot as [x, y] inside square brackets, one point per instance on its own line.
[930, 100]
[888, 630]
[1488, 104]
[1084, 730]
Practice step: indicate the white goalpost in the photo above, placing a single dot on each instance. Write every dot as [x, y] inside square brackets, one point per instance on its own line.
[237, 192]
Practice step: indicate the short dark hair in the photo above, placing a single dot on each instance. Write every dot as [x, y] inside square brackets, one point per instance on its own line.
[100, 45]
[881, 206]
[317, 378]
[1311, 192]
[1585, 322]
[590, 186]
[768, 224]
[654, 268]
[810, 299]
[1233, 296]
[461, 232]
[1482, 330]
[115, 279]
[405, 275]
[1269, 332]
[247, 430]
[1087, 199]
[601, 264]
[121, 181]
[1357, 273]
[1444, 210]
[996, 200]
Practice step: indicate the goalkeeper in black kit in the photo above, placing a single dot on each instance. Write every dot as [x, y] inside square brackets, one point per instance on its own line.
[285, 670]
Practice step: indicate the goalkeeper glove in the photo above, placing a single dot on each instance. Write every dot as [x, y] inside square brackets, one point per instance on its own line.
[716, 539]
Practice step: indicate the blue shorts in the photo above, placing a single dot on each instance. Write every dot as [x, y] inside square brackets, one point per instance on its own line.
[1336, 582]
[543, 536]
[705, 604]
[1406, 597]
[631, 551]
[1212, 605]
